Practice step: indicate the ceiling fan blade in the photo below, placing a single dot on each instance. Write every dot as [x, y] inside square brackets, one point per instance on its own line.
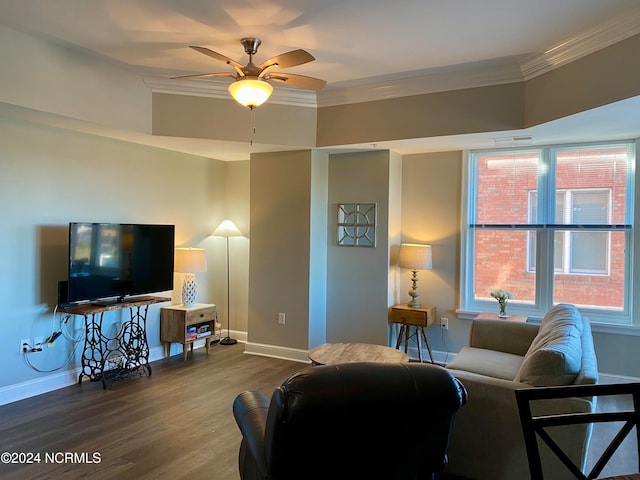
[204, 75]
[217, 56]
[298, 81]
[289, 59]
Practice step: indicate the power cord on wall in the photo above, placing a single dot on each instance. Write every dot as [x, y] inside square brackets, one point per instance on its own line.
[27, 349]
[64, 364]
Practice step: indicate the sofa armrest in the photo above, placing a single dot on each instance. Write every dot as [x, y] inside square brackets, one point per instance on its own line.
[503, 336]
[492, 412]
[250, 411]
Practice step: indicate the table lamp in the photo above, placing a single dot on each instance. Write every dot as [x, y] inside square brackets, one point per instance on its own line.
[190, 261]
[414, 257]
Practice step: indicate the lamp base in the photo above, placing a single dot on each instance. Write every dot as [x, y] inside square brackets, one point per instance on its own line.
[228, 341]
[189, 290]
[414, 293]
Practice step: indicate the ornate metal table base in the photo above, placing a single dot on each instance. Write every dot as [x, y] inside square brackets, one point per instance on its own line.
[108, 359]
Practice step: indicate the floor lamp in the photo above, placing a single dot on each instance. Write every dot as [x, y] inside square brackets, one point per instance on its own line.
[227, 229]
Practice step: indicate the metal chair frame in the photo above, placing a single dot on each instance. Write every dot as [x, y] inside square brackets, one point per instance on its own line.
[534, 426]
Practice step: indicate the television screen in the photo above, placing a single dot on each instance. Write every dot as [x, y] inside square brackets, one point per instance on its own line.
[108, 260]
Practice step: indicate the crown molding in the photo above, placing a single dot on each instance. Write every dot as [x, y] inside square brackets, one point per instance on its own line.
[455, 77]
[604, 35]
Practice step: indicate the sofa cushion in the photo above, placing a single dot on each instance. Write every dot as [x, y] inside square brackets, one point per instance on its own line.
[555, 355]
[486, 362]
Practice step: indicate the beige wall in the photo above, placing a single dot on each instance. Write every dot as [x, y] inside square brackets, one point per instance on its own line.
[483, 109]
[279, 267]
[224, 119]
[357, 277]
[288, 259]
[50, 177]
[328, 292]
[233, 188]
[604, 77]
[431, 193]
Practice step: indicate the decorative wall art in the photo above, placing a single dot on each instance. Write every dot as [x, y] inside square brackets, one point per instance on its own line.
[357, 224]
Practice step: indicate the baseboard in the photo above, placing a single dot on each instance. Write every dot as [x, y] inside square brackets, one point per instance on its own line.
[615, 378]
[275, 351]
[49, 383]
[38, 386]
[240, 336]
[439, 357]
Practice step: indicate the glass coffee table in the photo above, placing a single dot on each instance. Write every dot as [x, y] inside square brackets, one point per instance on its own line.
[334, 353]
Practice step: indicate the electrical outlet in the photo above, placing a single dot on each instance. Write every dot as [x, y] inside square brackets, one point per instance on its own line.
[24, 345]
[444, 323]
[281, 319]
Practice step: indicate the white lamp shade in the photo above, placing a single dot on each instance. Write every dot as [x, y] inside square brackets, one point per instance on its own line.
[190, 260]
[250, 91]
[227, 229]
[415, 257]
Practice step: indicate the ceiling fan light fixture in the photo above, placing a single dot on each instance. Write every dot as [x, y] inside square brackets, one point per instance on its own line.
[250, 91]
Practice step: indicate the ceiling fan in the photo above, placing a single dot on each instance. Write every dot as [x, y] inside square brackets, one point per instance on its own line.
[251, 87]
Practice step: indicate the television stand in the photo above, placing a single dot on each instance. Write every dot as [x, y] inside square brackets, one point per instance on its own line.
[107, 359]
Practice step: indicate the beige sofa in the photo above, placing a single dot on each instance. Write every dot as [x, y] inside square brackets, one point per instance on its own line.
[502, 356]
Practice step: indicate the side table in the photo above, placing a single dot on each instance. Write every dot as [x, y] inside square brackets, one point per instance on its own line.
[185, 325]
[419, 318]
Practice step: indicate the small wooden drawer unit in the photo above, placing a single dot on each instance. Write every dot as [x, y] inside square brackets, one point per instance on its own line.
[185, 325]
[417, 317]
[421, 316]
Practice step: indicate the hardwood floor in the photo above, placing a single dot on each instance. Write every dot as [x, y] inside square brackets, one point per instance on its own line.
[175, 424]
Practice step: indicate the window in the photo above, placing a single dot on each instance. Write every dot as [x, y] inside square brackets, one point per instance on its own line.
[577, 252]
[551, 225]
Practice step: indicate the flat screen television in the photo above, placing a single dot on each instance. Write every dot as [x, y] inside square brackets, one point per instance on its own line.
[111, 261]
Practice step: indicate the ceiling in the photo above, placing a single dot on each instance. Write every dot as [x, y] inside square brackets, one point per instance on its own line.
[355, 42]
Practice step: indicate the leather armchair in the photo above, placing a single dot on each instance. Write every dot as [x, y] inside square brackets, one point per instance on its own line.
[356, 420]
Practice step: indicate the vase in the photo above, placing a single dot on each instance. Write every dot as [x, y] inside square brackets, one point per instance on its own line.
[503, 311]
